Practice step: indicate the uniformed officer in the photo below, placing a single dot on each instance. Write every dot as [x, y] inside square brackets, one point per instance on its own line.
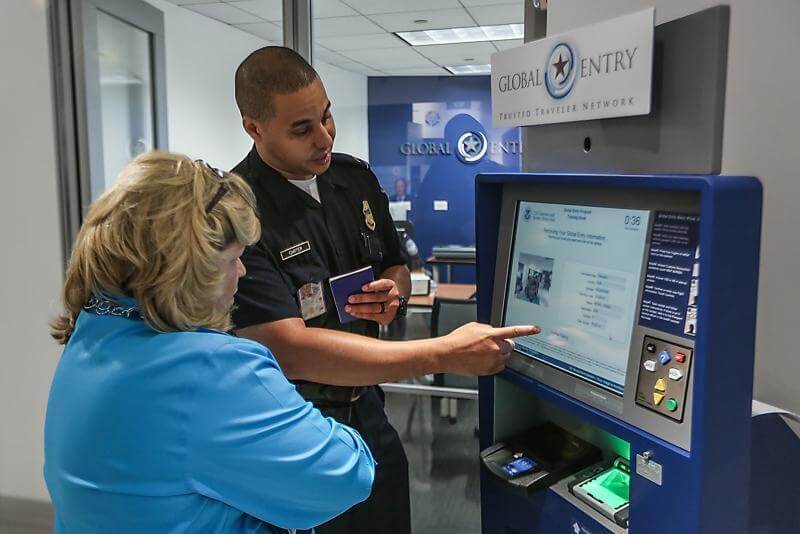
[323, 215]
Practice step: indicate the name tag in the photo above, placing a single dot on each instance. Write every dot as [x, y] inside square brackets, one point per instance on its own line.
[295, 250]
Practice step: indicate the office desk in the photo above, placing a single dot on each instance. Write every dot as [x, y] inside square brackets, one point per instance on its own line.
[448, 263]
[448, 291]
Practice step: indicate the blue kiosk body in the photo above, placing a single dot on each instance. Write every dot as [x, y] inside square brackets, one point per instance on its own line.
[646, 289]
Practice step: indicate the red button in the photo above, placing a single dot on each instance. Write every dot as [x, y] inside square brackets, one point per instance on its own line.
[680, 357]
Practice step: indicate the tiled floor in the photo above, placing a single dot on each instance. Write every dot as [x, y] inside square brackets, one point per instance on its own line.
[442, 454]
[443, 460]
[16, 528]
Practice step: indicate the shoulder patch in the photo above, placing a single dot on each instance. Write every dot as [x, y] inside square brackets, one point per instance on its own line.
[347, 159]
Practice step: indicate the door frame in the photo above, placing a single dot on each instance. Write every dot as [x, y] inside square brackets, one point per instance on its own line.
[77, 96]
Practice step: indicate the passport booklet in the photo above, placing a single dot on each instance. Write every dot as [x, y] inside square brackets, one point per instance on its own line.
[344, 285]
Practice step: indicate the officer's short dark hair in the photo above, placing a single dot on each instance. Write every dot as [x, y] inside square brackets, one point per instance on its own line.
[268, 71]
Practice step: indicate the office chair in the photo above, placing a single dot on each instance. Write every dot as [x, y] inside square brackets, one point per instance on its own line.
[447, 315]
[406, 226]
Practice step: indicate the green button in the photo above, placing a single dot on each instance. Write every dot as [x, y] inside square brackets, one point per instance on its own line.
[671, 404]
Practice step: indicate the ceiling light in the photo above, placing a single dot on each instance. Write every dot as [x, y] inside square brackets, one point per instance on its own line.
[460, 70]
[473, 34]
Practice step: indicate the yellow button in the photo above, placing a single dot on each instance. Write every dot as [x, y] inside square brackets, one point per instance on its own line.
[657, 398]
[660, 385]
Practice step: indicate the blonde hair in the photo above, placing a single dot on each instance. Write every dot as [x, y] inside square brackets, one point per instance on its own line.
[149, 237]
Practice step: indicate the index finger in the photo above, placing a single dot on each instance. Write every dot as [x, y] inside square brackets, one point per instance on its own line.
[384, 284]
[509, 332]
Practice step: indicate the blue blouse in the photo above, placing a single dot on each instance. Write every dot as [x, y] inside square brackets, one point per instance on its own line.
[189, 432]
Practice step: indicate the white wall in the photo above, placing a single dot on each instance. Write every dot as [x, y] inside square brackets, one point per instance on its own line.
[347, 92]
[204, 122]
[202, 56]
[30, 275]
[761, 136]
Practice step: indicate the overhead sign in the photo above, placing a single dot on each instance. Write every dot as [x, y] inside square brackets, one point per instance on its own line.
[598, 71]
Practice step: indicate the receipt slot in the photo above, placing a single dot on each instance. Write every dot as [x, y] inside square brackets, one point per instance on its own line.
[645, 291]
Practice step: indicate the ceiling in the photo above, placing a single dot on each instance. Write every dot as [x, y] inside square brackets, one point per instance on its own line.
[357, 35]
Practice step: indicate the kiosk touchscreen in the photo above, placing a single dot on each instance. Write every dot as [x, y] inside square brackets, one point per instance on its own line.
[575, 272]
[613, 282]
[644, 289]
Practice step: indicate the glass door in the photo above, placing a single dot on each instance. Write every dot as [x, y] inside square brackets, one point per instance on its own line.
[109, 65]
[124, 111]
[120, 50]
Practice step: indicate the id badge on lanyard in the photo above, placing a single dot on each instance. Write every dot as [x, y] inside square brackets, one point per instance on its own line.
[311, 297]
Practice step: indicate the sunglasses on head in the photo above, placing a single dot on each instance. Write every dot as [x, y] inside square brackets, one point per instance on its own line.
[223, 187]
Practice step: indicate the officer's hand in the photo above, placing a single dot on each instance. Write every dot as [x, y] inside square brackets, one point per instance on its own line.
[478, 349]
[378, 302]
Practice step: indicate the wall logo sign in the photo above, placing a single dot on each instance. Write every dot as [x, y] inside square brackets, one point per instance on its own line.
[559, 71]
[471, 147]
[432, 118]
[598, 71]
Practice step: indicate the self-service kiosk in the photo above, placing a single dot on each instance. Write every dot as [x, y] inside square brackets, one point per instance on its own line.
[631, 410]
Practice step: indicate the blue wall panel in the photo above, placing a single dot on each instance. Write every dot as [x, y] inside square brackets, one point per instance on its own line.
[426, 131]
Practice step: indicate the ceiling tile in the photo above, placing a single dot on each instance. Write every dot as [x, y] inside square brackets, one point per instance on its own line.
[505, 45]
[345, 26]
[327, 55]
[460, 52]
[440, 18]
[427, 71]
[323, 9]
[500, 14]
[187, 2]
[371, 7]
[226, 13]
[266, 30]
[471, 3]
[271, 10]
[353, 66]
[357, 42]
[390, 57]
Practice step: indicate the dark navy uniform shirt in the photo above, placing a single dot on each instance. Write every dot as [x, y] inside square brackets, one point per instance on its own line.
[339, 240]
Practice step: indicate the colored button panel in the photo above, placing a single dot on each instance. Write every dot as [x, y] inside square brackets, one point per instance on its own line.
[675, 374]
[650, 365]
[660, 385]
[671, 404]
[664, 357]
[657, 398]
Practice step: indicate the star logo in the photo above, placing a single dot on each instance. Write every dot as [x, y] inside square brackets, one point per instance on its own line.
[559, 77]
[559, 65]
[471, 147]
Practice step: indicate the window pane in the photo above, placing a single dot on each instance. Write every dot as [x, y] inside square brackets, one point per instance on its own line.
[126, 95]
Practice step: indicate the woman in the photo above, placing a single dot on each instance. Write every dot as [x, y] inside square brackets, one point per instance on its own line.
[158, 421]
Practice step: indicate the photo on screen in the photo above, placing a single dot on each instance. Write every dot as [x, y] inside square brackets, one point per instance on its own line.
[691, 321]
[575, 271]
[534, 279]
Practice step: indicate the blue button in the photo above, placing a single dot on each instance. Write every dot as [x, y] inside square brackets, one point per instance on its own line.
[664, 357]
